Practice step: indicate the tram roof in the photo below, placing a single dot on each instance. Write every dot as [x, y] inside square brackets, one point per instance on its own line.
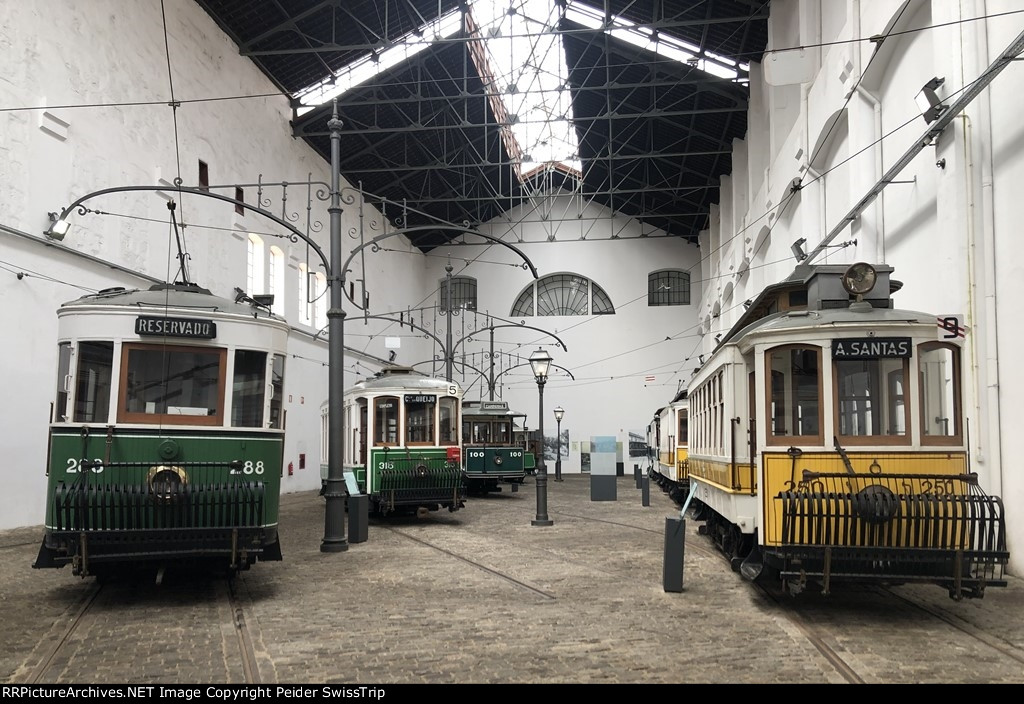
[165, 296]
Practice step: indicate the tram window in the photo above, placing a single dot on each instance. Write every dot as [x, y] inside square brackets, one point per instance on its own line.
[186, 384]
[794, 395]
[448, 420]
[385, 420]
[248, 387]
[481, 433]
[871, 398]
[92, 390]
[360, 434]
[63, 382]
[502, 432]
[684, 432]
[419, 420]
[277, 397]
[939, 370]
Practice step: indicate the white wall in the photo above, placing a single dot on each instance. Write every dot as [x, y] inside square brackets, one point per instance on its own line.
[610, 356]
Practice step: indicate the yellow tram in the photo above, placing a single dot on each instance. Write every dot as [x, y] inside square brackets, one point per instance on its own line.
[828, 442]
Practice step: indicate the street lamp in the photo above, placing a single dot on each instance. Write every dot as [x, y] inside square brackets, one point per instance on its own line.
[559, 412]
[541, 361]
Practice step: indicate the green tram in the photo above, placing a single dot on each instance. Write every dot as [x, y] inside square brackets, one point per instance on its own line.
[166, 436]
[493, 454]
[402, 449]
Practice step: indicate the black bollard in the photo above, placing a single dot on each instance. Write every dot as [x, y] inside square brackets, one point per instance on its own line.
[675, 543]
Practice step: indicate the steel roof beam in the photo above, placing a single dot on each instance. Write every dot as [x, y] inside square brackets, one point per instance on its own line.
[660, 26]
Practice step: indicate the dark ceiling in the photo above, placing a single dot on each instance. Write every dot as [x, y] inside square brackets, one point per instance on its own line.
[654, 135]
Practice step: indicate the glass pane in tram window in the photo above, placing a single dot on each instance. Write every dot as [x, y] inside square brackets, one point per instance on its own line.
[92, 391]
[63, 371]
[940, 415]
[419, 420]
[277, 399]
[448, 412]
[481, 432]
[385, 420]
[183, 382]
[503, 432]
[871, 397]
[248, 388]
[856, 401]
[793, 396]
[805, 383]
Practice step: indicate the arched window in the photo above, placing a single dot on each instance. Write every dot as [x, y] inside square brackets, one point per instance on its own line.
[668, 287]
[320, 301]
[254, 281]
[276, 279]
[463, 293]
[563, 294]
[305, 309]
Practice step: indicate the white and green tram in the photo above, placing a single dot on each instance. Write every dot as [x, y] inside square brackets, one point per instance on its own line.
[166, 434]
[402, 443]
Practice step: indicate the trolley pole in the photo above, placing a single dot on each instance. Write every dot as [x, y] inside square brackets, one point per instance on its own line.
[335, 492]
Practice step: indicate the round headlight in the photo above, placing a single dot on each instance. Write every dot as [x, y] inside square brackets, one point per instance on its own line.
[166, 481]
[859, 278]
[497, 459]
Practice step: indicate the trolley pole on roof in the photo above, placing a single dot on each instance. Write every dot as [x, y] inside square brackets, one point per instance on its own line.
[334, 512]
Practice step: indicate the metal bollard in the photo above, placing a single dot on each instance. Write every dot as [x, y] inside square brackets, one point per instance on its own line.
[358, 518]
[675, 545]
[645, 495]
[636, 475]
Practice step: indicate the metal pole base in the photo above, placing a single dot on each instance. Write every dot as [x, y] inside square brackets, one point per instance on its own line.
[542, 522]
[334, 546]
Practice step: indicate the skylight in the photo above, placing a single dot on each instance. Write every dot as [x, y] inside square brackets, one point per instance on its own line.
[524, 67]
[527, 64]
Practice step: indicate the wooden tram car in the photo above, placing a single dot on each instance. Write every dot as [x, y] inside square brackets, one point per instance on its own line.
[670, 466]
[166, 435]
[402, 442]
[828, 442]
[492, 455]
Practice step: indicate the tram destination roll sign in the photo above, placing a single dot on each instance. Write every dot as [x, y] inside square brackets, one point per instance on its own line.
[195, 328]
[871, 347]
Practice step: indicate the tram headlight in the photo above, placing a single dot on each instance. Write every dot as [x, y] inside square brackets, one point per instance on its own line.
[166, 481]
[859, 278]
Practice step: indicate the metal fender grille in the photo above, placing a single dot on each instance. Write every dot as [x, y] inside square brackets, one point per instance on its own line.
[413, 480]
[903, 525]
[121, 507]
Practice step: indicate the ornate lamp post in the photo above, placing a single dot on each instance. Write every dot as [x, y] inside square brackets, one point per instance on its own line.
[541, 361]
[559, 412]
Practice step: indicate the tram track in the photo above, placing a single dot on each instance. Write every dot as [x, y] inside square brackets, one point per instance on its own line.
[58, 645]
[967, 629]
[817, 638]
[247, 651]
[497, 573]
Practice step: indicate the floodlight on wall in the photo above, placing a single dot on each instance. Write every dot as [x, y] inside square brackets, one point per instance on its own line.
[928, 102]
[798, 249]
[58, 227]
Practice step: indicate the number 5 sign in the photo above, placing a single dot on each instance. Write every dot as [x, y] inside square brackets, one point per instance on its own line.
[951, 326]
